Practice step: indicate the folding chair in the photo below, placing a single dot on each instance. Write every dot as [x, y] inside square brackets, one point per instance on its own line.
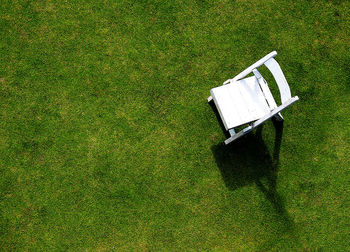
[249, 101]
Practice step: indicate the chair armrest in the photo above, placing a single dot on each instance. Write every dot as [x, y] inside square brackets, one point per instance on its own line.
[275, 111]
[255, 65]
[262, 120]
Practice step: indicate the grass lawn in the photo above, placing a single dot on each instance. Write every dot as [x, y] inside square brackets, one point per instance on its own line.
[107, 141]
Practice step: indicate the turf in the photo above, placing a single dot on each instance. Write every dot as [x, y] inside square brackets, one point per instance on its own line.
[107, 142]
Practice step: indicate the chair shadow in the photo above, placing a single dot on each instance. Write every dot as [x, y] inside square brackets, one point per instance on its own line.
[247, 161]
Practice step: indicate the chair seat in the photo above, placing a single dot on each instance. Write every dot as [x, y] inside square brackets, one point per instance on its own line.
[240, 102]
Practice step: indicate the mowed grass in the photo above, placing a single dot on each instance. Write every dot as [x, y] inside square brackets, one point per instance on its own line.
[107, 141]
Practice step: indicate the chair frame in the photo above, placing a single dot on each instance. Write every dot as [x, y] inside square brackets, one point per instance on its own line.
[283, 87]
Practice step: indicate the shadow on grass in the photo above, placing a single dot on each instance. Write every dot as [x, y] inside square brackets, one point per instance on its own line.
[247, 160]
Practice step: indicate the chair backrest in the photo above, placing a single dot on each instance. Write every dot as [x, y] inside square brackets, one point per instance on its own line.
[276, 71]
[281, 81]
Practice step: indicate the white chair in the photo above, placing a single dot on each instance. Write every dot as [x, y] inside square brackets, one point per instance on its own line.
[249, 101]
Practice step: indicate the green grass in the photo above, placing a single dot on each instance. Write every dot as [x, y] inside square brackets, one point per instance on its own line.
[107, 142]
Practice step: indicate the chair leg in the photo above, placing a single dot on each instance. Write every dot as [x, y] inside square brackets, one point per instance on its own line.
[258, 132]
[210, 99]
[239, 134]
[232, 132]
[279, 117]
